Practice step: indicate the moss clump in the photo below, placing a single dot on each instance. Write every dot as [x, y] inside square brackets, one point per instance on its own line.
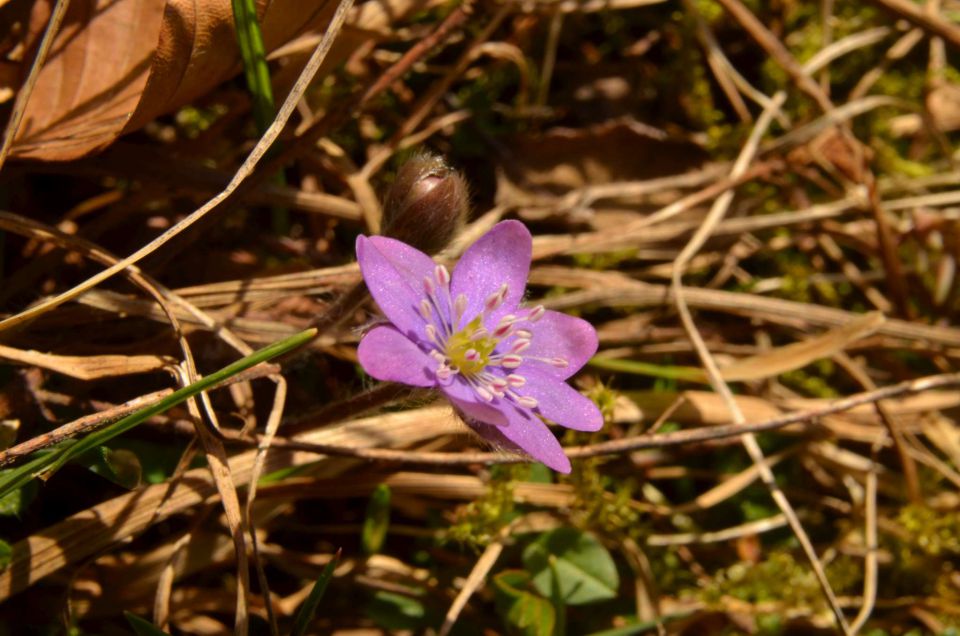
[477, 523]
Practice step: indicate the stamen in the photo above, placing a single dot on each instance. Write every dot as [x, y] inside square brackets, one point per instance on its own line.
[432, 334]
[524, 333]
[425, 309]
[495, 299]
[560, 363]
[444, 373]
[511, 361]
[428, 286]
[516, 381]
[520, 344]
[536, 313]
[527, 401]
[479, 334]
[460, 306]
[499, 385]
[442, 275]
[486, 395]
[471, 355]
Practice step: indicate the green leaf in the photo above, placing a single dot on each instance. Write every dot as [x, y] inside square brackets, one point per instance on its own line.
[397, 612]
[143, 627]
[6, 555]
[120, 466]
[50, 461]
[14, 503]
[309, 608]
[528, 613]
[377, 521]
[585, 571]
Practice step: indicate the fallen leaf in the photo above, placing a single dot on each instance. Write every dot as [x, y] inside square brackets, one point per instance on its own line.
[88, 367]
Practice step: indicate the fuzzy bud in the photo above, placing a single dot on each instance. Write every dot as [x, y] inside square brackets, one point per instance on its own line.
[426, 205]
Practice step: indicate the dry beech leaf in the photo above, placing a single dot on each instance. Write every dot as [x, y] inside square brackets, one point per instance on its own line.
[117, 64]
[88, 367]
[800, 354]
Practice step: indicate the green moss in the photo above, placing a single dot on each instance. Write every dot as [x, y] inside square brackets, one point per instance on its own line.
[477, 523]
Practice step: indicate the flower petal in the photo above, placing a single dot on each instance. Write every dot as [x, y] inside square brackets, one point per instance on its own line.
[500, 256]
[558, 335]
[528, 433]
[505, 426]
[559, 402]
[388, 355]
[394, 274]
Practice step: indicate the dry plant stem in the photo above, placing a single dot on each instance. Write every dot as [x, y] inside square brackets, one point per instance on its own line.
[216, 455]
[776, 50]
[426, 104]
[219, 467]
[717, 211]
[283, 115]
[108, 414]
[380, 394]
[870, 564]
[477, 576]
[23, 95]
[895, 429]
[454, 20]
[929, 22]
[270, 431]
[625, 445]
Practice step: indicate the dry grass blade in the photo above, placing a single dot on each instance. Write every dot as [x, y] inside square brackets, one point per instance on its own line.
[88, 367]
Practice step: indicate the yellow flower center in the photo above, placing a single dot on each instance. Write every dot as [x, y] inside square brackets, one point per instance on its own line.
[470, 348]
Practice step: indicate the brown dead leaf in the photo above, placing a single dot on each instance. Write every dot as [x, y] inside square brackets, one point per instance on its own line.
[118, 64]
[800, 354]
[88, 367]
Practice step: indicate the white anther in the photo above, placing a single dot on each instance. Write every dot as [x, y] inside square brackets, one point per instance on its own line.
[442, 275]
[560, 363]
[527, 401]
[484, 393]
[460, 305]
[425, 309]
[431, 334]
[471, 355]
[516, 381]
[536, 313]
[499, 385]
[479, 334]
[439, 357]
[444, 373]
[519, 345]
[428, 286]
[524, 333]
[511, 361]
[495, 299]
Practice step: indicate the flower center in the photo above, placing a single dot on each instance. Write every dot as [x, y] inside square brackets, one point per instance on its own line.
[469, 349]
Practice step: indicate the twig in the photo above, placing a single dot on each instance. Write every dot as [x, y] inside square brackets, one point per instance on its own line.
[913, 13]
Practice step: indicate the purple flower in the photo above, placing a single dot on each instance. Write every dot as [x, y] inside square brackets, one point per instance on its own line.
[503, 366]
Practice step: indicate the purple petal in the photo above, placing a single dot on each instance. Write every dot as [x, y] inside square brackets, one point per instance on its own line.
[505, 426]
[528, 433]
[558, 335]
[388, 355]
[559, 402]
[394, 274]
[500, 256]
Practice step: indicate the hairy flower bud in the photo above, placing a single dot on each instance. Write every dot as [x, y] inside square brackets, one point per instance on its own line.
[426, 205]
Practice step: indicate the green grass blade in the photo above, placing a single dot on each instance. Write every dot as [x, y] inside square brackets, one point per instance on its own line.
[309, 608]
[143, 627]
[686, 374]
[63, 453]
[254, 56]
